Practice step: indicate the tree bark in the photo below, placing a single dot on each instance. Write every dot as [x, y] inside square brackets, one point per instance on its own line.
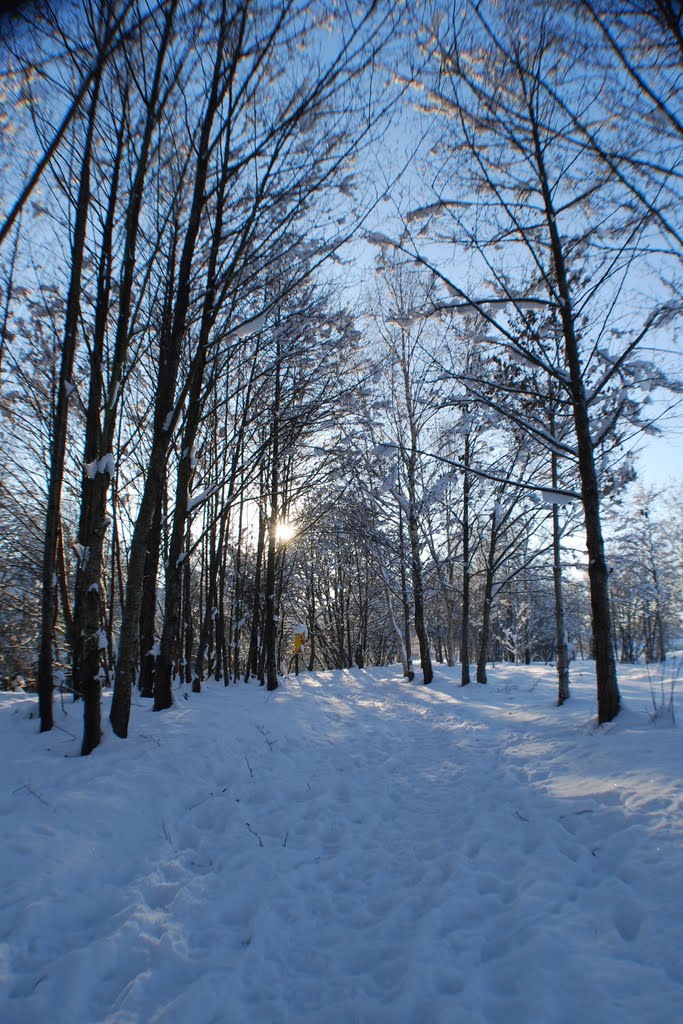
[59, 430]
[148, 650]
[405, 599]
[418, 601]
[252, 667]
[605, 667]
[488, 600]
[465, 620]
[561, 645]
[165, 413]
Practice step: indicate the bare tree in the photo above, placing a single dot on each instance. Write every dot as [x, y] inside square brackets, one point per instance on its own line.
[548, 232]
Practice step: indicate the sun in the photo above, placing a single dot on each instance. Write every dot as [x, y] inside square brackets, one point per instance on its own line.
[284, 532]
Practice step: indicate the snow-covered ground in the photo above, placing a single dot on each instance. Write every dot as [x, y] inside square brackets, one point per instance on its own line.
[352, 848]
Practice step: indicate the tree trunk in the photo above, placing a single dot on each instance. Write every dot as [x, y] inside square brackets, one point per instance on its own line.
[270, 618]
[166, 410]
[89, 636]
[58, 448]
[465, 621]
[126, 665]
[311, 617]
[188, 628]
[418, 600]
[171, 634]
[270, 610]
[205, 645]
[92, 639]
[148, 649]
[405, 600]
[488, 601]
[605, 668]
[252, 667]
[561, 644]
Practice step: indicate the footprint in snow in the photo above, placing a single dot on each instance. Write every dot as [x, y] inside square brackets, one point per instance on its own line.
[159, 895]
[628, 916]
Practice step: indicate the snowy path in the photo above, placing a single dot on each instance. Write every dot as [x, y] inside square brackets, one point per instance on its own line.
[349, 849]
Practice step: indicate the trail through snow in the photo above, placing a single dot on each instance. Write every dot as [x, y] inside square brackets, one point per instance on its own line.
[351, 848]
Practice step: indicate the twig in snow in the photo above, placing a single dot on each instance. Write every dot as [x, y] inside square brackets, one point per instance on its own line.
[251, 770]
[254, 833]
[32, 792]
[62, 729]
[284, 841]
[152, 739]
[264, 732]
[520, 816]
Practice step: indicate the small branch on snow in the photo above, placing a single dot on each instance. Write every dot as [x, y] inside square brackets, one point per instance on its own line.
[152, 739]
[251, 770]
[32, 792]
[254, 833]
[520, 816]
[264, 732]
[167, 835]
[62, 729]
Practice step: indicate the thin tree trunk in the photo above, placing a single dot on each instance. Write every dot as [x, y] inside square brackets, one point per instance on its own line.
[405, 600]
[270, 610]
[59, 430]
[89, 619]
[205, 644]
[488, 600]
[254, 646]
[96, 482]
[165, 415]
[7, 305]
[311, 616]
[465, 621]
[188, 627]
[561, 644]
[605, 667]
[269, 619]
[171, 634]
[237, 592]
[418, 600]
[149, 652]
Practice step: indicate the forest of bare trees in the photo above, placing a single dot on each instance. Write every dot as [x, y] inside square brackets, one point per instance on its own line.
[339, 320]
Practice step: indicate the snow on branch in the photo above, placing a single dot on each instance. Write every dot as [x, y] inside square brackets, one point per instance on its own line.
[104, 465]
[557, 496]
[249, 327]
[467, 305]
[434, 209]
[377, 238]
[552, 497]
[198, 499]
